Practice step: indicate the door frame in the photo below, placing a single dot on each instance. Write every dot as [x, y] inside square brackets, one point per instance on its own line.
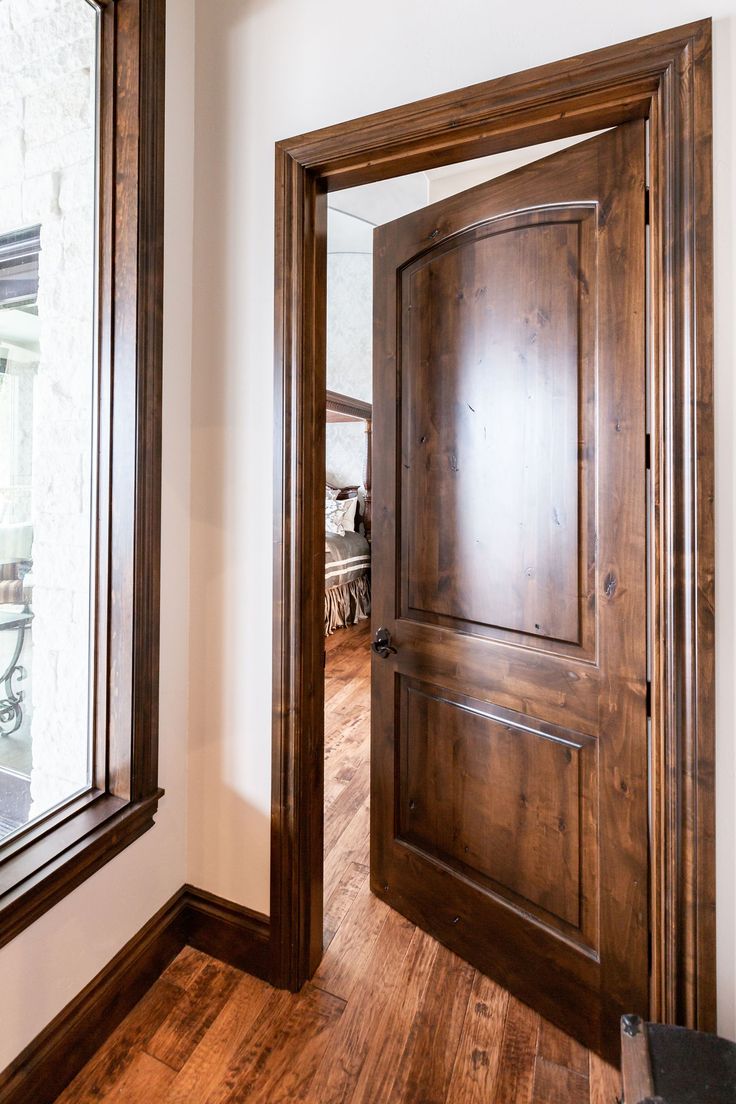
[666, 78]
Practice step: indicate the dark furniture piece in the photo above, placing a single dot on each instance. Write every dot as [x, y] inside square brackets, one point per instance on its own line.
[343, 408]
[662, 1064]
[11, 704]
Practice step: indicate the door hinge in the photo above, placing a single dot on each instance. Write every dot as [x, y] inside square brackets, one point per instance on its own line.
[649, 698]
[646, 207]
[648, 451]
[650, 954]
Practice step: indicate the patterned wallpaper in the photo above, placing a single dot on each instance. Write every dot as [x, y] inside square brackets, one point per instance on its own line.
[350, 324]
[346, 453]
[349, 357]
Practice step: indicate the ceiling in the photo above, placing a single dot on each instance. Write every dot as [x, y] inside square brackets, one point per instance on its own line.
[353, 212]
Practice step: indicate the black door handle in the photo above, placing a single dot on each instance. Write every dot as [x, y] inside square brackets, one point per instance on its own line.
[382, 645]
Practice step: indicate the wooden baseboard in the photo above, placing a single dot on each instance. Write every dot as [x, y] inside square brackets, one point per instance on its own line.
[232, 933]
[55, 1056]
[226, 931]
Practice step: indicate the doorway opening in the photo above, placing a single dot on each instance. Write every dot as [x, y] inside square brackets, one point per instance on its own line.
[361, 932]
[556, 102]
[484, 802]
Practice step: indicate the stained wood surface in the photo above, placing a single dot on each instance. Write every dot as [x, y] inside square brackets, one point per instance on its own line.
[50, 858]
[665, 78]
[391, 1016]
[509, 785]
[490, 365]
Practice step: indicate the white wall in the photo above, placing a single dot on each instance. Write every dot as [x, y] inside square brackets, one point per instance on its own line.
[268, 69]
[46, 966]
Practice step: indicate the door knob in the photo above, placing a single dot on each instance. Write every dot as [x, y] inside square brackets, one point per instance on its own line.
[382, 645]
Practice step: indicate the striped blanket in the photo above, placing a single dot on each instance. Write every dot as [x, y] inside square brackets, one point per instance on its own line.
[347, 580]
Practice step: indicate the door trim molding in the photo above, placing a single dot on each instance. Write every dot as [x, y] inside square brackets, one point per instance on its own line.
[666, 78]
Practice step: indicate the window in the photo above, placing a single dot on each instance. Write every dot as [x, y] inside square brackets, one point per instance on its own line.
[47, 401]
[80, 309]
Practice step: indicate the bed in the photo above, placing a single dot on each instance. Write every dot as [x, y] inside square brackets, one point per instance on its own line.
[348, 531]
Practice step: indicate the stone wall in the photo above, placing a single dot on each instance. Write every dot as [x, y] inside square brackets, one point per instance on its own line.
[47, 177]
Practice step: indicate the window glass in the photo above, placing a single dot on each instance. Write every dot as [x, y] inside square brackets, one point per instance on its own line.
[48, 170]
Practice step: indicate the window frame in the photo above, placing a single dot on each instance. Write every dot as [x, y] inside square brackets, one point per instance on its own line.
[44, 861]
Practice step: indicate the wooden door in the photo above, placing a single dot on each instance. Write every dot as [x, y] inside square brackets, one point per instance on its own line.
[509, 728]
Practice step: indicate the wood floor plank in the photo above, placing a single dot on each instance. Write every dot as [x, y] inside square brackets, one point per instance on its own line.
[185, 967]
[347, 740]
[347, 677]
[208, 1064]
[394, 1024]
[356, 1033]
[346, 961]
[475, 1069]
[281, 1062]
[554, 1046]
[263, 1036]
[427, 1063]
[352, 846]
[349, 639]
[515, 1081]
[555, 1084]
[145, 1079]
[339, 902]
[190, 1017]
[343, 698]
[604, 1081]
[347, 701]
[351, 752]
[111, 1062]
[345, 806]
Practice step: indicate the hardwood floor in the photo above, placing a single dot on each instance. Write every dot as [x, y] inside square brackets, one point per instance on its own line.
[390, 1015]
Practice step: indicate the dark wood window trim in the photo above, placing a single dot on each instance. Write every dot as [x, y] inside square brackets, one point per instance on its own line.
[54, 854]
[665, 78]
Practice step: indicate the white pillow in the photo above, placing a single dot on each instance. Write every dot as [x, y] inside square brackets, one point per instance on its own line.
[340, 515]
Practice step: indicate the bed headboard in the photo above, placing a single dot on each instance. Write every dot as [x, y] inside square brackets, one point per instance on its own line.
[342, 408]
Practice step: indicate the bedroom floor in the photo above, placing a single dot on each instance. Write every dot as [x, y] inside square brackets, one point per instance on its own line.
[390, 1015]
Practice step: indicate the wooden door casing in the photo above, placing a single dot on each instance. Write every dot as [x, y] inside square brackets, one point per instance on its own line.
[666, 78]
[509, 741]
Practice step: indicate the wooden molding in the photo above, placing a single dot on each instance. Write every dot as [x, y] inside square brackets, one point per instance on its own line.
[50, 856]
[226, 931]
[51, 862]
[233, 933]
[55, 1056]
[299, 469]
[352, 408]
[149, 413]
[666, 79]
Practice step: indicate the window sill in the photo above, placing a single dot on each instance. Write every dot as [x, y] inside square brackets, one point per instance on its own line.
[50, 859]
